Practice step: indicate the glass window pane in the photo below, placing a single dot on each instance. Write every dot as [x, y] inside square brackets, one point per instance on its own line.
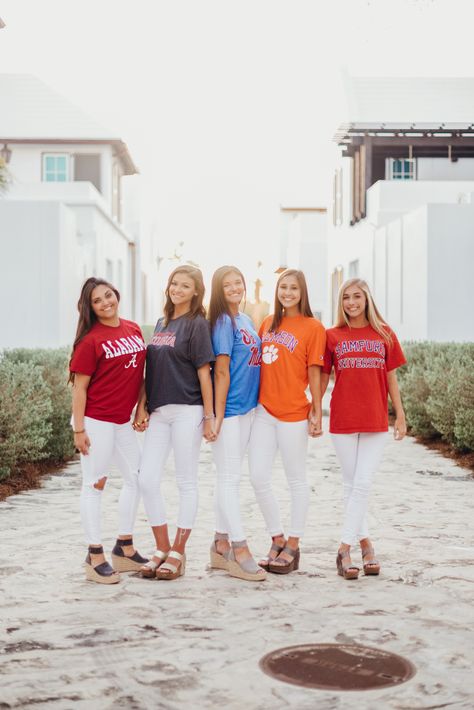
[49, 162]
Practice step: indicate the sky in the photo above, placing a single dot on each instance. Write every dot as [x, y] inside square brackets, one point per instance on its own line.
[228, 107]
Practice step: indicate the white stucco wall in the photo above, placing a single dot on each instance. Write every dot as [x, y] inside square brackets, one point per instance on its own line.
[444, 169]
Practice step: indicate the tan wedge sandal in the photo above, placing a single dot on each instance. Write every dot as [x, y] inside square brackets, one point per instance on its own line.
[170, 571]
[346, 570]
[372, 567]
[148, 571]
[122, 563]
[101, 573]
[247, 570]
[219, 560]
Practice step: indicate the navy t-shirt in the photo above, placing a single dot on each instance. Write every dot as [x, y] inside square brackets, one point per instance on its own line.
[175, 353]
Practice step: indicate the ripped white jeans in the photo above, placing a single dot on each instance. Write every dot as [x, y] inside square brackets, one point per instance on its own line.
[110, 444]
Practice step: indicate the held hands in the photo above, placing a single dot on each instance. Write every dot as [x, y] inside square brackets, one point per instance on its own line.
[315, 426]
[140, 422]
[209, 430]
[82, 443]
[399, 427]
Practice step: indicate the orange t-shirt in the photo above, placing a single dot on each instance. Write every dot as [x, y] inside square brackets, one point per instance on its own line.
[286, 355]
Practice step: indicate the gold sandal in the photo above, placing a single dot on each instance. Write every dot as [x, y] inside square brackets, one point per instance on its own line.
[148, 571]
[169, 571]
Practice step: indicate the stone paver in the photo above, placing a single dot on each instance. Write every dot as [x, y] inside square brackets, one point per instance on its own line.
[196, 642]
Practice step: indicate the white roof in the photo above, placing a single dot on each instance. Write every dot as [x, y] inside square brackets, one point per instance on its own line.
[409, 100]
[31, 109]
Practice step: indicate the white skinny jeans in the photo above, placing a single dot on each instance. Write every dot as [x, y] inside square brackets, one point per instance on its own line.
[229, 451]
[177, 427]
[291, 438]
[110, 443]
[359, 456]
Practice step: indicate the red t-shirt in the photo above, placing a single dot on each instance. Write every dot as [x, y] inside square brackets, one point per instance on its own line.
[114, 357]
[361, 359]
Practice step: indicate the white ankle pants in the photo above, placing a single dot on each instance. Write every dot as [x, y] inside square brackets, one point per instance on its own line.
[359, 456]
[228, 452]
[177, 427]
[291, 438]
[110, 443]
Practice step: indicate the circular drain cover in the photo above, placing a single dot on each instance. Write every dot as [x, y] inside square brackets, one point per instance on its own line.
[333, 666]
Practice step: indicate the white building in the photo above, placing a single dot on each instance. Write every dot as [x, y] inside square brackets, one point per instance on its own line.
[61, 218]
[403, 203]
[303, 245]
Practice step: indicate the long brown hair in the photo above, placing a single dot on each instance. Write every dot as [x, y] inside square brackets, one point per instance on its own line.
[217, 304]
[197, 309]
[87, 317]
[372, 313]
[305, 308]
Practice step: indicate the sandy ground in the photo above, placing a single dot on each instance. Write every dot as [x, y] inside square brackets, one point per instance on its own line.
[196, 642]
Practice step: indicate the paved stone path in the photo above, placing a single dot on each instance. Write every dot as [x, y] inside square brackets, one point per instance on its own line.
[196, 643]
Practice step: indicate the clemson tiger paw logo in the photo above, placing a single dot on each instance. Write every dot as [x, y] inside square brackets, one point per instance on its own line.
[269, 354]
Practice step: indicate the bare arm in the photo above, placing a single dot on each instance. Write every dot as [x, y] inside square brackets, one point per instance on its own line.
[316, 412]
[204, 374]
[79, 399]
[324, 383]
[221, 387]
[140, 421]
[400, 427]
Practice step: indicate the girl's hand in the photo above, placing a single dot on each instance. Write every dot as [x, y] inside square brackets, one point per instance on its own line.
[140, 422]
[209, 430]
[315, 426]
[82, 443]
[399, 427]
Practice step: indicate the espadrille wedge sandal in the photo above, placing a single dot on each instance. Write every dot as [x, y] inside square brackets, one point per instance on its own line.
[247, 570]
[101, 573]
[122, 563]
[170, 571]
[218, 559]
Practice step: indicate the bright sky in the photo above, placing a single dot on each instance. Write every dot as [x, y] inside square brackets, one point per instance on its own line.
[228, 106]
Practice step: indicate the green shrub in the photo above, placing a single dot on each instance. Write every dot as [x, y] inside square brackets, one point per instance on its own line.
[25, 414]
[54, 370]
[462, 389]
[415, 390]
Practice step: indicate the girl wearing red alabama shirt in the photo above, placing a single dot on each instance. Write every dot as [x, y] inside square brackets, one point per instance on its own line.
[365, 354]
[107, 373]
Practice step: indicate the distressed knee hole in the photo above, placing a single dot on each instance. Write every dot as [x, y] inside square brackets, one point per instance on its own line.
[99, 485]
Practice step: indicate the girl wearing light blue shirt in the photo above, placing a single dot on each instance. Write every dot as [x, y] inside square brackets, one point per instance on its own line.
[236, 382]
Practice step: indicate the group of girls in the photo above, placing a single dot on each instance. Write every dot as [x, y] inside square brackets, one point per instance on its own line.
[242, 391]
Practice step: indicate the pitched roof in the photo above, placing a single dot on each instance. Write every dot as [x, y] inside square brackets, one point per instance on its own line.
[30, 111]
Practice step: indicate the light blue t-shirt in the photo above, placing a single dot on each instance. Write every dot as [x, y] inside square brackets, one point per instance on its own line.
[242, 344]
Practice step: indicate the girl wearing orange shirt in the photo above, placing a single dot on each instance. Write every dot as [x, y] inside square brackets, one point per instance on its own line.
[293, 344]
[365, 354]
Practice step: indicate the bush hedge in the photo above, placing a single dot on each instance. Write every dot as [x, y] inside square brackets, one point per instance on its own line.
[35, 408]
[437, 388]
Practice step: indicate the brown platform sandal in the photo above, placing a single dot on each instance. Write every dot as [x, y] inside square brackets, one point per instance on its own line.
[372, 567]
[268, 559]
[101, 573]
[288, 566]
[348, 571]
[219, 560]
[122, 563]
[148, 571]
[169, 571]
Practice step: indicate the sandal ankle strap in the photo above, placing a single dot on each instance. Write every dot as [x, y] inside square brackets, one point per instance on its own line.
[176, 555]
[290, 551]
[220, 536]
[96, 549]
[124, 543]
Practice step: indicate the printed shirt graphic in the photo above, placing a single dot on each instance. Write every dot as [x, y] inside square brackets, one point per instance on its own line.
[242, 344]
[286, 356]
[175, 353]
[361, 360]
[114, 357]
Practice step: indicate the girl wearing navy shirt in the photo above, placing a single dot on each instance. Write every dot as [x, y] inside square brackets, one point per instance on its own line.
[236, 382]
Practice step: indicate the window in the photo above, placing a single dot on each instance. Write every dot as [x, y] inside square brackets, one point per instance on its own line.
[401, 169]
[354, 269]
[55, 168]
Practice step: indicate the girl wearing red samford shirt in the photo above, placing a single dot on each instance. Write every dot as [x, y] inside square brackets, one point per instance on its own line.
[365, 354]
[107, 373]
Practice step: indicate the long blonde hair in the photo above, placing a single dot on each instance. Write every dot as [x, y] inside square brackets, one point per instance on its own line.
[372, 313]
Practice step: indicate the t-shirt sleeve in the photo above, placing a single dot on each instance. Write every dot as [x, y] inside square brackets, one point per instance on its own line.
[394, 356]
[200, 345]
[223, 337]
[84, 359]
[316, 346]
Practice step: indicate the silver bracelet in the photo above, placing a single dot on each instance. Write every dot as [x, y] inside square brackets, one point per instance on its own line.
[207, 417]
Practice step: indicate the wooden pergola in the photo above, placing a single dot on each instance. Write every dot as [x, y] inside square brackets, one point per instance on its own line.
[370, 144]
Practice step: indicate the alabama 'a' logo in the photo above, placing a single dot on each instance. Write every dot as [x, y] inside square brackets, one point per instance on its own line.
[132, 362]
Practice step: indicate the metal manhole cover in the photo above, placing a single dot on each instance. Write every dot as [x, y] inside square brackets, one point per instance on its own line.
[334, 666]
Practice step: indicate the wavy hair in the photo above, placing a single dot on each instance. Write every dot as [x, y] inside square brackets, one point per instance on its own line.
[372, 313]
[197, 309]
[87, 317]
[218, 306]
[305, 308]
